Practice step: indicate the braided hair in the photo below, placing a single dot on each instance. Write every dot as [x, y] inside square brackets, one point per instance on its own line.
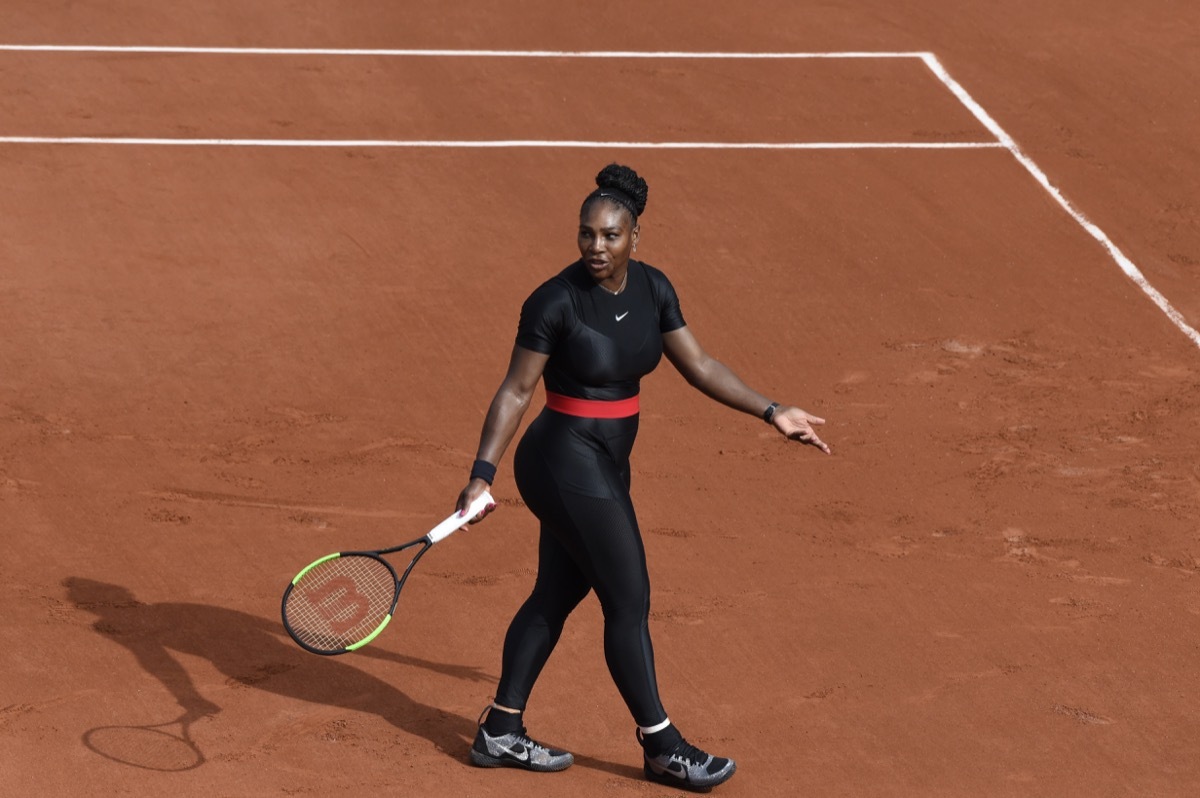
[622, 186]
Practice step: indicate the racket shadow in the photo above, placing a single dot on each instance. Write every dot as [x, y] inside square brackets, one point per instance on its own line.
[159, 746]
[255, 653]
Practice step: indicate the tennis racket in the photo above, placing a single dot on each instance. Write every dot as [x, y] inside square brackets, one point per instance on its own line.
[343, 601]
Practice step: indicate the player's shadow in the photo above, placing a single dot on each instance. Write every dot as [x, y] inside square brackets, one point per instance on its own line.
[251, 652]
[255, 653]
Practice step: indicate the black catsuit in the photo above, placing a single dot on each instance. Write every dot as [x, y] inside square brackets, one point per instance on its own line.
[573, 474]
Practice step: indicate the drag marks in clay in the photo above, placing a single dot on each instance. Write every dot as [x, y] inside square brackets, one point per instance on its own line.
[1082, 716]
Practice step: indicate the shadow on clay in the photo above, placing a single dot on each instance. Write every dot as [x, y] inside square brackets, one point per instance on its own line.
[255, 653]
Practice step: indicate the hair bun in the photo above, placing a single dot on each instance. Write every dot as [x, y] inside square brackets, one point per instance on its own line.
[627, 181]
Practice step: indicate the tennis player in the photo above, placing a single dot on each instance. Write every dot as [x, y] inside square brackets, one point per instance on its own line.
[591, 333]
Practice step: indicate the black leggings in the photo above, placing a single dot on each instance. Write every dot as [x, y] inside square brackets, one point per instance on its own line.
[573, 474]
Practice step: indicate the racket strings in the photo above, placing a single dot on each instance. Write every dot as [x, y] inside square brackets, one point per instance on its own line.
[341, 601]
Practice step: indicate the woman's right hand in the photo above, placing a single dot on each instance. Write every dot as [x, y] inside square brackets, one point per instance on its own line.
[470, 493]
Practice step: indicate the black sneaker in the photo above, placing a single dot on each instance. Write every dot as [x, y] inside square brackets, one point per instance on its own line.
[688, 767]
[517, 750]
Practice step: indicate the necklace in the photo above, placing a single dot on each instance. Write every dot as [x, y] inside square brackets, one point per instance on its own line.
[620, 288]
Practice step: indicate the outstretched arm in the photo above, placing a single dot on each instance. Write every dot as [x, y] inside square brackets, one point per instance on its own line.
[504, 416]
[717, 381]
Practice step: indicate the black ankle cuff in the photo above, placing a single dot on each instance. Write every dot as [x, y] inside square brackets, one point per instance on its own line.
[499, 722]
[661, 742]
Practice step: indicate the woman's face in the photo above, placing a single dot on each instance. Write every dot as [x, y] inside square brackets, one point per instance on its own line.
[607, 236]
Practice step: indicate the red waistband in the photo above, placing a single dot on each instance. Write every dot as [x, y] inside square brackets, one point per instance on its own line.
[592, 408]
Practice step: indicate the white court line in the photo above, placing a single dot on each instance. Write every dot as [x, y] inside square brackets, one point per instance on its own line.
[513, 143]
[1126, 265]
[92, 48]
[1003, 139]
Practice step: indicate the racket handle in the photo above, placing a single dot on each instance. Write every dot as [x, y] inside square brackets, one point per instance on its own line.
[456, 521]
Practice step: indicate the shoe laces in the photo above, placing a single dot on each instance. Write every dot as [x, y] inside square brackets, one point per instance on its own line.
[689, 753]
[529, 741]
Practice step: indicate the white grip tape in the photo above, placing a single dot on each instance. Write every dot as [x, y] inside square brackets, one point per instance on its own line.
[456, 521]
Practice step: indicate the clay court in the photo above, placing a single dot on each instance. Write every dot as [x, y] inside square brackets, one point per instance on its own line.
[254, 303]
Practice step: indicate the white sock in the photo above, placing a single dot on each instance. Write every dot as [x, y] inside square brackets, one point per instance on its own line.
[655, 728]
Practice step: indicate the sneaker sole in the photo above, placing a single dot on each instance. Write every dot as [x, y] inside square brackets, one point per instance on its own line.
[486, 761]
[683, 784]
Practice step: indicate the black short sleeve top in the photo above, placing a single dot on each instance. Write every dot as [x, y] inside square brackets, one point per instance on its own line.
[600, 344]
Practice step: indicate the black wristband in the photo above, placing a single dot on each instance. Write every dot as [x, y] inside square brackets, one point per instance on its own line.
[482, 469]
[769, 413]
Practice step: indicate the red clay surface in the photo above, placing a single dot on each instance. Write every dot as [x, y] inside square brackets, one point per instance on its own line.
[221, 363]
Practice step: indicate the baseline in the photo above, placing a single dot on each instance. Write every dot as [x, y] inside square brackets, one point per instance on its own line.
[398, 53]
[931, 61]
[616, 145]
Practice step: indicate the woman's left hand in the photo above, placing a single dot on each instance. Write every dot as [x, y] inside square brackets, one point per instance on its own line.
[797, 425]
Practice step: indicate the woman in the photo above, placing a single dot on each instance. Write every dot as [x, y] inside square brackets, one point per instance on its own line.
[592, 332]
